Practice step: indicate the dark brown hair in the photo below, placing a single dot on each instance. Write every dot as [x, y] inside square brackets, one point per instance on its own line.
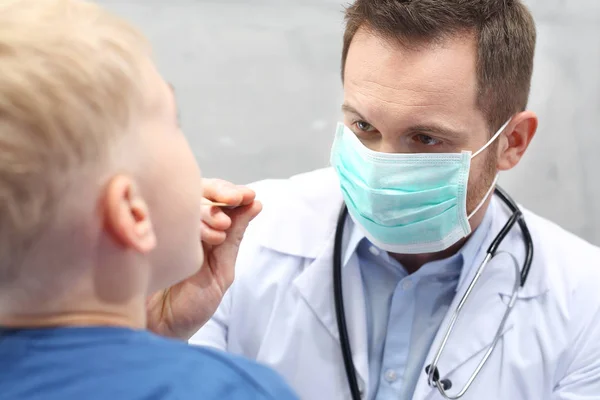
[504, 30]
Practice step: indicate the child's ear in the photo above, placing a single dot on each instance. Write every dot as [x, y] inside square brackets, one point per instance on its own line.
[127, 216]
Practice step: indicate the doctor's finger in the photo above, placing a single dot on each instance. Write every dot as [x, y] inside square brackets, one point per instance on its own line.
[215, 218]
[211, 236]
[222, 191]
[248, 195]
[241, 217]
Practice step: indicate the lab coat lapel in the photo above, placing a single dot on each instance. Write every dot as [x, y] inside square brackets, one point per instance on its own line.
[315, 285]
[316, 199]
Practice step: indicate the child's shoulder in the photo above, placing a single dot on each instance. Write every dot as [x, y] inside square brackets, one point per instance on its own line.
[115, 358]
[209, 373]
[222, 375]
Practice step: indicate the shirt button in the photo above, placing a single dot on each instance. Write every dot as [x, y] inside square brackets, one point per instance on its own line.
[375, 251]
[390, 375]
[407, 284]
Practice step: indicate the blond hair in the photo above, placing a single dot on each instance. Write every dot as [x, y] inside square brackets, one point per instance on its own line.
[70, 83]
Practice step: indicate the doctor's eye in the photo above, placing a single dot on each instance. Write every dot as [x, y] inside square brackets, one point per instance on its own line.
[364, 126]
[426, 140]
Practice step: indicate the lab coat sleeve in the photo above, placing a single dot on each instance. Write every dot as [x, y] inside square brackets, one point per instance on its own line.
[214, 332]
[580, 375]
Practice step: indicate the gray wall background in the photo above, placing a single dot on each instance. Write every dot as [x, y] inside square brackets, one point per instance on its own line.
[259, 92]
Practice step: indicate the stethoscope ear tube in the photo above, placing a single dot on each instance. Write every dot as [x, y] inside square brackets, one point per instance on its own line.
[520, 219]
[339, 306]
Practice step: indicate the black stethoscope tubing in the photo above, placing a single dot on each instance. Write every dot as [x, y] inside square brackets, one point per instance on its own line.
[516, 217]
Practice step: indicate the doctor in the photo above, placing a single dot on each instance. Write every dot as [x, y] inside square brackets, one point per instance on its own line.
[434, 108]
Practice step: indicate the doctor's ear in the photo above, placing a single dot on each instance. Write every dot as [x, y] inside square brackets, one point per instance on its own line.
[516, 138]
[127, 217]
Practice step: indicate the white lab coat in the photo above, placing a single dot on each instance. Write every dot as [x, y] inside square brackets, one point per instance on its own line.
[280, 310]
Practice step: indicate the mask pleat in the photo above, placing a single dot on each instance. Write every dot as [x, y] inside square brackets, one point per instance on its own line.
[404, 200]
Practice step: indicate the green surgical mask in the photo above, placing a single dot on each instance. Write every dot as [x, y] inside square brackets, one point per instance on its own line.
[406, 203]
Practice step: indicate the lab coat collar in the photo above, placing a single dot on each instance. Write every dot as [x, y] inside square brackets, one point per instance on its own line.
[305, 209]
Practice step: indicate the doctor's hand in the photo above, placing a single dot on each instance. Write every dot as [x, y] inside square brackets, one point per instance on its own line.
[183, 308]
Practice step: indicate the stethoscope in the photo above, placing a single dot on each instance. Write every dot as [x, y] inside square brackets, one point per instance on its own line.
[433, 375]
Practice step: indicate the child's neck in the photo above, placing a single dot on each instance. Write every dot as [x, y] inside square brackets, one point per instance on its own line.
[85, 300]
[132, 317]
[73, 320]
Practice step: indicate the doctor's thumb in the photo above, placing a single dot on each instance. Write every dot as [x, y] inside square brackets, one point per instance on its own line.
[240, 219]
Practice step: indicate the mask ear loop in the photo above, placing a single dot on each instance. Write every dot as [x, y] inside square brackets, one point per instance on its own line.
[492, 139]
[490, 190]
[493, 185]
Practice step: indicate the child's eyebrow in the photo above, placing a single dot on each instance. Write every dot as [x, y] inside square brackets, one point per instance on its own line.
[172, 89]
[174, 94]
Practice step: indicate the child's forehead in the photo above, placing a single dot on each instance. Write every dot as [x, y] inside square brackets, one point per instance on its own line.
[159, 94]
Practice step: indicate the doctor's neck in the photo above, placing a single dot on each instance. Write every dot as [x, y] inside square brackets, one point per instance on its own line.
[413, 262]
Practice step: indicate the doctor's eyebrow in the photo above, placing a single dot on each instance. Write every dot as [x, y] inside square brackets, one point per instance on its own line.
[433, 129]
[437, 130]
[349, 109]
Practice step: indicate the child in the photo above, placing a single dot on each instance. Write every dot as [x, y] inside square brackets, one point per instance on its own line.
[100, 200]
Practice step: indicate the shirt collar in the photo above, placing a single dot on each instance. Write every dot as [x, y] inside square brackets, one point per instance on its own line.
[468, 253]
[356, 236]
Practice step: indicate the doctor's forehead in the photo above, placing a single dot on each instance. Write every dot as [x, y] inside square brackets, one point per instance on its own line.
[385, 81]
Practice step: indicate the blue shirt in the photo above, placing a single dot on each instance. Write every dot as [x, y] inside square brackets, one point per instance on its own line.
[404, 312]
[123, 364]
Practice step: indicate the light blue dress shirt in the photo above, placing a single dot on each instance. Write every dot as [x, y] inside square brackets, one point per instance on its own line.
[404, 312]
